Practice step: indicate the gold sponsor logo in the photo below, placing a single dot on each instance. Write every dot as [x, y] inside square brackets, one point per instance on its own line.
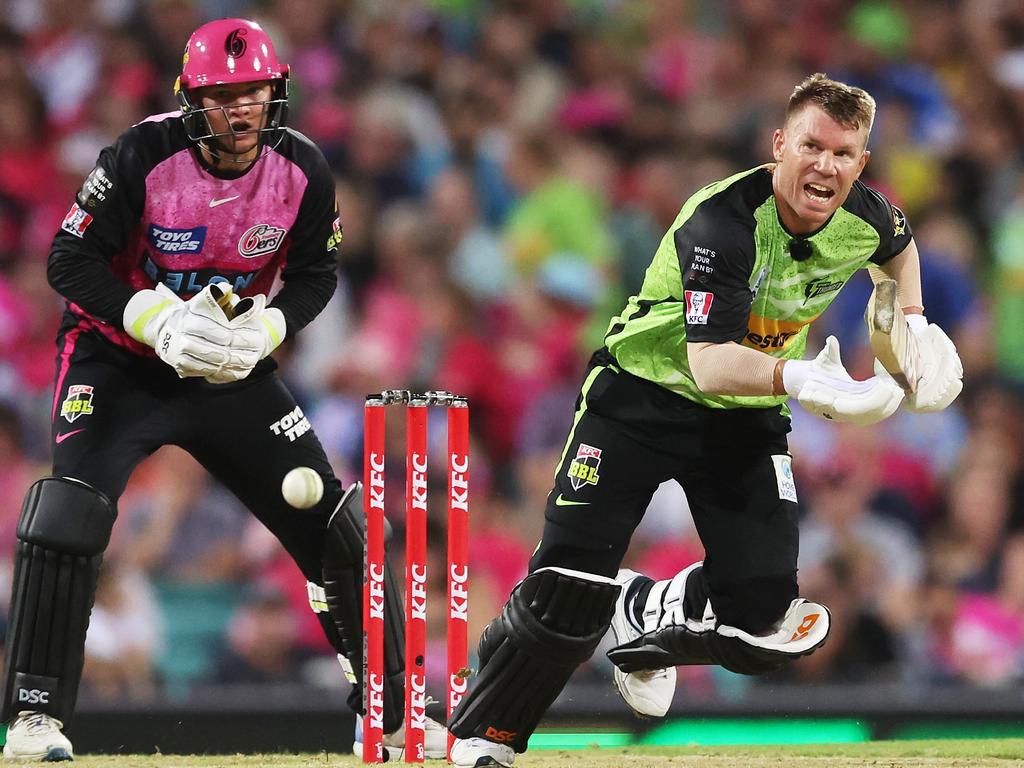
[766, 333]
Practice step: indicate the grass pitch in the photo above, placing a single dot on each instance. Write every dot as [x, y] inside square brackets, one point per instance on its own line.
[962, 753]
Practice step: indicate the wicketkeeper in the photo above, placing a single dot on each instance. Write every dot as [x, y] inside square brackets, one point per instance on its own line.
[692, 385]
[185, 214]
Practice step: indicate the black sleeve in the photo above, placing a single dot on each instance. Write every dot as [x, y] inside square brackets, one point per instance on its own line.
[716, 257]
[893, 229]
[311, 272]
[106, 210]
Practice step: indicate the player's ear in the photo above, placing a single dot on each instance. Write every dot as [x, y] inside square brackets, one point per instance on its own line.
[863, 161]
[778, 144]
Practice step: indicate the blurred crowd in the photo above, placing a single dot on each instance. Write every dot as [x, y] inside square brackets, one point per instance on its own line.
[505, 170]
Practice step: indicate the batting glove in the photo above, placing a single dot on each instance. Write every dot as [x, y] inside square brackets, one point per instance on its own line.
[942, 373]
[824, 388]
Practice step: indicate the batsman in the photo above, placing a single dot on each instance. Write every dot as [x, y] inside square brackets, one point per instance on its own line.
[692, 385]
[170, 259]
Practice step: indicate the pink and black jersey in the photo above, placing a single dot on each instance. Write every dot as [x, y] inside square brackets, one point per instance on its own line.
[152, 212]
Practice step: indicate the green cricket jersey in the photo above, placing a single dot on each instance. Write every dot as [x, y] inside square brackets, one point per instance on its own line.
[723, 272]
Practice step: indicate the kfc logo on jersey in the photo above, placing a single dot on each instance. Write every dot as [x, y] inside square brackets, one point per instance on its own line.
[698, 304]
[583, 469]
[167, 240]
[76, 222]
[261, 239]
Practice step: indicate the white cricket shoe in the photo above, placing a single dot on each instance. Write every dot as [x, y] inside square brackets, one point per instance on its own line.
[648, 692]
[35, 737]
[481, 753]
[435, 741]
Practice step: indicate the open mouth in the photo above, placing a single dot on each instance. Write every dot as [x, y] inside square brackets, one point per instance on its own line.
[818, 193]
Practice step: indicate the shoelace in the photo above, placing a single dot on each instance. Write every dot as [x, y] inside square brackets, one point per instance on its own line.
[651, 674]
[40, 723]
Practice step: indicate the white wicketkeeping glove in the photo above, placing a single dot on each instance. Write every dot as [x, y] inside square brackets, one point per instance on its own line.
[824, 388]
[193, 337]
[158, 318]
[256, 330]
[942, 372]
[148, 311]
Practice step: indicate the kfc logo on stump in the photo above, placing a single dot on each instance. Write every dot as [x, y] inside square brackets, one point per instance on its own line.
[260, 239]
[698, 304]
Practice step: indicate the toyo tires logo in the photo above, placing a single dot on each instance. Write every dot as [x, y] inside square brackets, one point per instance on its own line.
[260, 239]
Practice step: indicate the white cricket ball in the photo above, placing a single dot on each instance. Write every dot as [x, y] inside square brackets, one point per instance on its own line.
[302, 487]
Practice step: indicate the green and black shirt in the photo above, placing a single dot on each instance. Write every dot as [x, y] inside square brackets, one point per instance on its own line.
[723, 272]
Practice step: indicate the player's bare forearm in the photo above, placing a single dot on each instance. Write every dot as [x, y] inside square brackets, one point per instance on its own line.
[905, 269]
[732, 369]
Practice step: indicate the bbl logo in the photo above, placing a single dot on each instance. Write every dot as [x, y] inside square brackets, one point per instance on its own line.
[583, 469]
[77, 403]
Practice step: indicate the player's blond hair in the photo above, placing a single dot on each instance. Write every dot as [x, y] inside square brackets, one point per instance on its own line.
[849, 106]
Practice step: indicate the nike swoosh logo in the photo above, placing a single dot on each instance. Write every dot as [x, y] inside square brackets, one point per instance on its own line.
[560, 502]
[61, 438]
[215, 203]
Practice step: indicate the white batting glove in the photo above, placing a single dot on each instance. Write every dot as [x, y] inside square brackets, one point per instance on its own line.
[942, 373]
[824, 388]
[256, 331]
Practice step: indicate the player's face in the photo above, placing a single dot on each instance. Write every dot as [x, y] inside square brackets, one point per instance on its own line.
[236, 112]
[817, 161]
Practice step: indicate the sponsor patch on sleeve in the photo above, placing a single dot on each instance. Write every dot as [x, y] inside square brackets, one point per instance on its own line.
[77, 221]
[899, 222]
[784, 477]
[96, 189]
[698, 305]
[337, 233]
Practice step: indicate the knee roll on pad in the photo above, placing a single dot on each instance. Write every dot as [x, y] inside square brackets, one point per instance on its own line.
[550, 625]
[62, 532]
[343, 589]
[802, 630]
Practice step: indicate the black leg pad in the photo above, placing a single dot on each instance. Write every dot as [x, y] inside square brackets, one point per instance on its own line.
[343, 586]
[63, 530]
[550, 625]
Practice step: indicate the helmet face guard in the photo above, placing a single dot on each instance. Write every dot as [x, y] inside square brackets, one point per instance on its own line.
[227, 52]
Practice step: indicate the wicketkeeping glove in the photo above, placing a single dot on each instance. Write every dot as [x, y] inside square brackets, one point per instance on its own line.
[824, 388]
[942, 372]
[256, 330]
[160, 319]
[192, 337]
